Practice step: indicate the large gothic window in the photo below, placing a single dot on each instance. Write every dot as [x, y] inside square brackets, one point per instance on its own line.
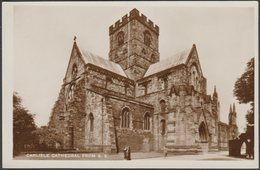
[125, 118]
[147, 121]
[71, 92]
[147, 38]
[120, 38]
[91, 120]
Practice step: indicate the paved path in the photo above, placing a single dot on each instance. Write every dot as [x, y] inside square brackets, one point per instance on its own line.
[223, 155]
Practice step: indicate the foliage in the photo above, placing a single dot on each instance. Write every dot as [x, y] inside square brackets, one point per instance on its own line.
[47, 138]
[244, 86]
[244, 89]
[250, 117]
[23, 126]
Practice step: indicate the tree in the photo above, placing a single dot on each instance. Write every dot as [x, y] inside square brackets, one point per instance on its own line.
[47, 138]
[244, 86]
[244, 89]
[250, 117]
[23, 126]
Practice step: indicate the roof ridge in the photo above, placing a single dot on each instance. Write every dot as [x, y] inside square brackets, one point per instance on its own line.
[179, 52]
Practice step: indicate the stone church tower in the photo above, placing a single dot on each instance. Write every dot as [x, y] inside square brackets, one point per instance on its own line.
[134, 44]
[232, 123]
[232, 116]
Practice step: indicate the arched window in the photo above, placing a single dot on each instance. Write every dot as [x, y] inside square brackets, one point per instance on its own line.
[71, 134]
[194, 76]
[147, 38]
[163, 106]
[91, 124]
[71, 92]
[163, 126]
[125, 118]
[74, 71]
[147, 121]
[120, 38]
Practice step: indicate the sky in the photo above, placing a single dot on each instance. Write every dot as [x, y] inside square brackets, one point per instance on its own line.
[43, 39]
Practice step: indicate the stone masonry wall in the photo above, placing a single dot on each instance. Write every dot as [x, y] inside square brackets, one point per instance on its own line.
[57, 115]
[77, 114]
[107, 82]
[108, 132]
[134, 136]
[68, 117]
[99, 139]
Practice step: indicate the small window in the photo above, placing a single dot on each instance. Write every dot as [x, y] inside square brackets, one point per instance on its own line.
[163, 127]
[120, 38]
[108, 81]
[196, 83]
[126, 88]
[147, 38]
[66, 107]
[147, 121]
[74, 71]
[163, 106]
[165, 79]
[152, 58]
[145, 89]
[125, 118]
[91, 119]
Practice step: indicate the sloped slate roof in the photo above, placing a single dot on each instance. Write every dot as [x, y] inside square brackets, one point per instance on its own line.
[101, 62]
[177, 59]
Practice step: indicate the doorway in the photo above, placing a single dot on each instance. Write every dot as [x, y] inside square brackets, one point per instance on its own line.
[203, 137]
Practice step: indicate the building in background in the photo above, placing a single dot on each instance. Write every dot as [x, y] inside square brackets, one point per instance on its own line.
[135, 99]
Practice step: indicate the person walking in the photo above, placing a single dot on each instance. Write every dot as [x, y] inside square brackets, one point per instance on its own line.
[165, 152]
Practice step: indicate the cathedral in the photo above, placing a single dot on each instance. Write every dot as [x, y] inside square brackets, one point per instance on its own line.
[135, 99]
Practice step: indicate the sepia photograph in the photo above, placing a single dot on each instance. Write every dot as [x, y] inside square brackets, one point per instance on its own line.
[130, 84]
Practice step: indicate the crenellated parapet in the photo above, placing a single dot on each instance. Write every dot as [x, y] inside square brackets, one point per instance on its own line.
[133, 15]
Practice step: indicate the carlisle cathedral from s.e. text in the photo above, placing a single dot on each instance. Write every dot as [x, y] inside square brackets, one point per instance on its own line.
[135, 99]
